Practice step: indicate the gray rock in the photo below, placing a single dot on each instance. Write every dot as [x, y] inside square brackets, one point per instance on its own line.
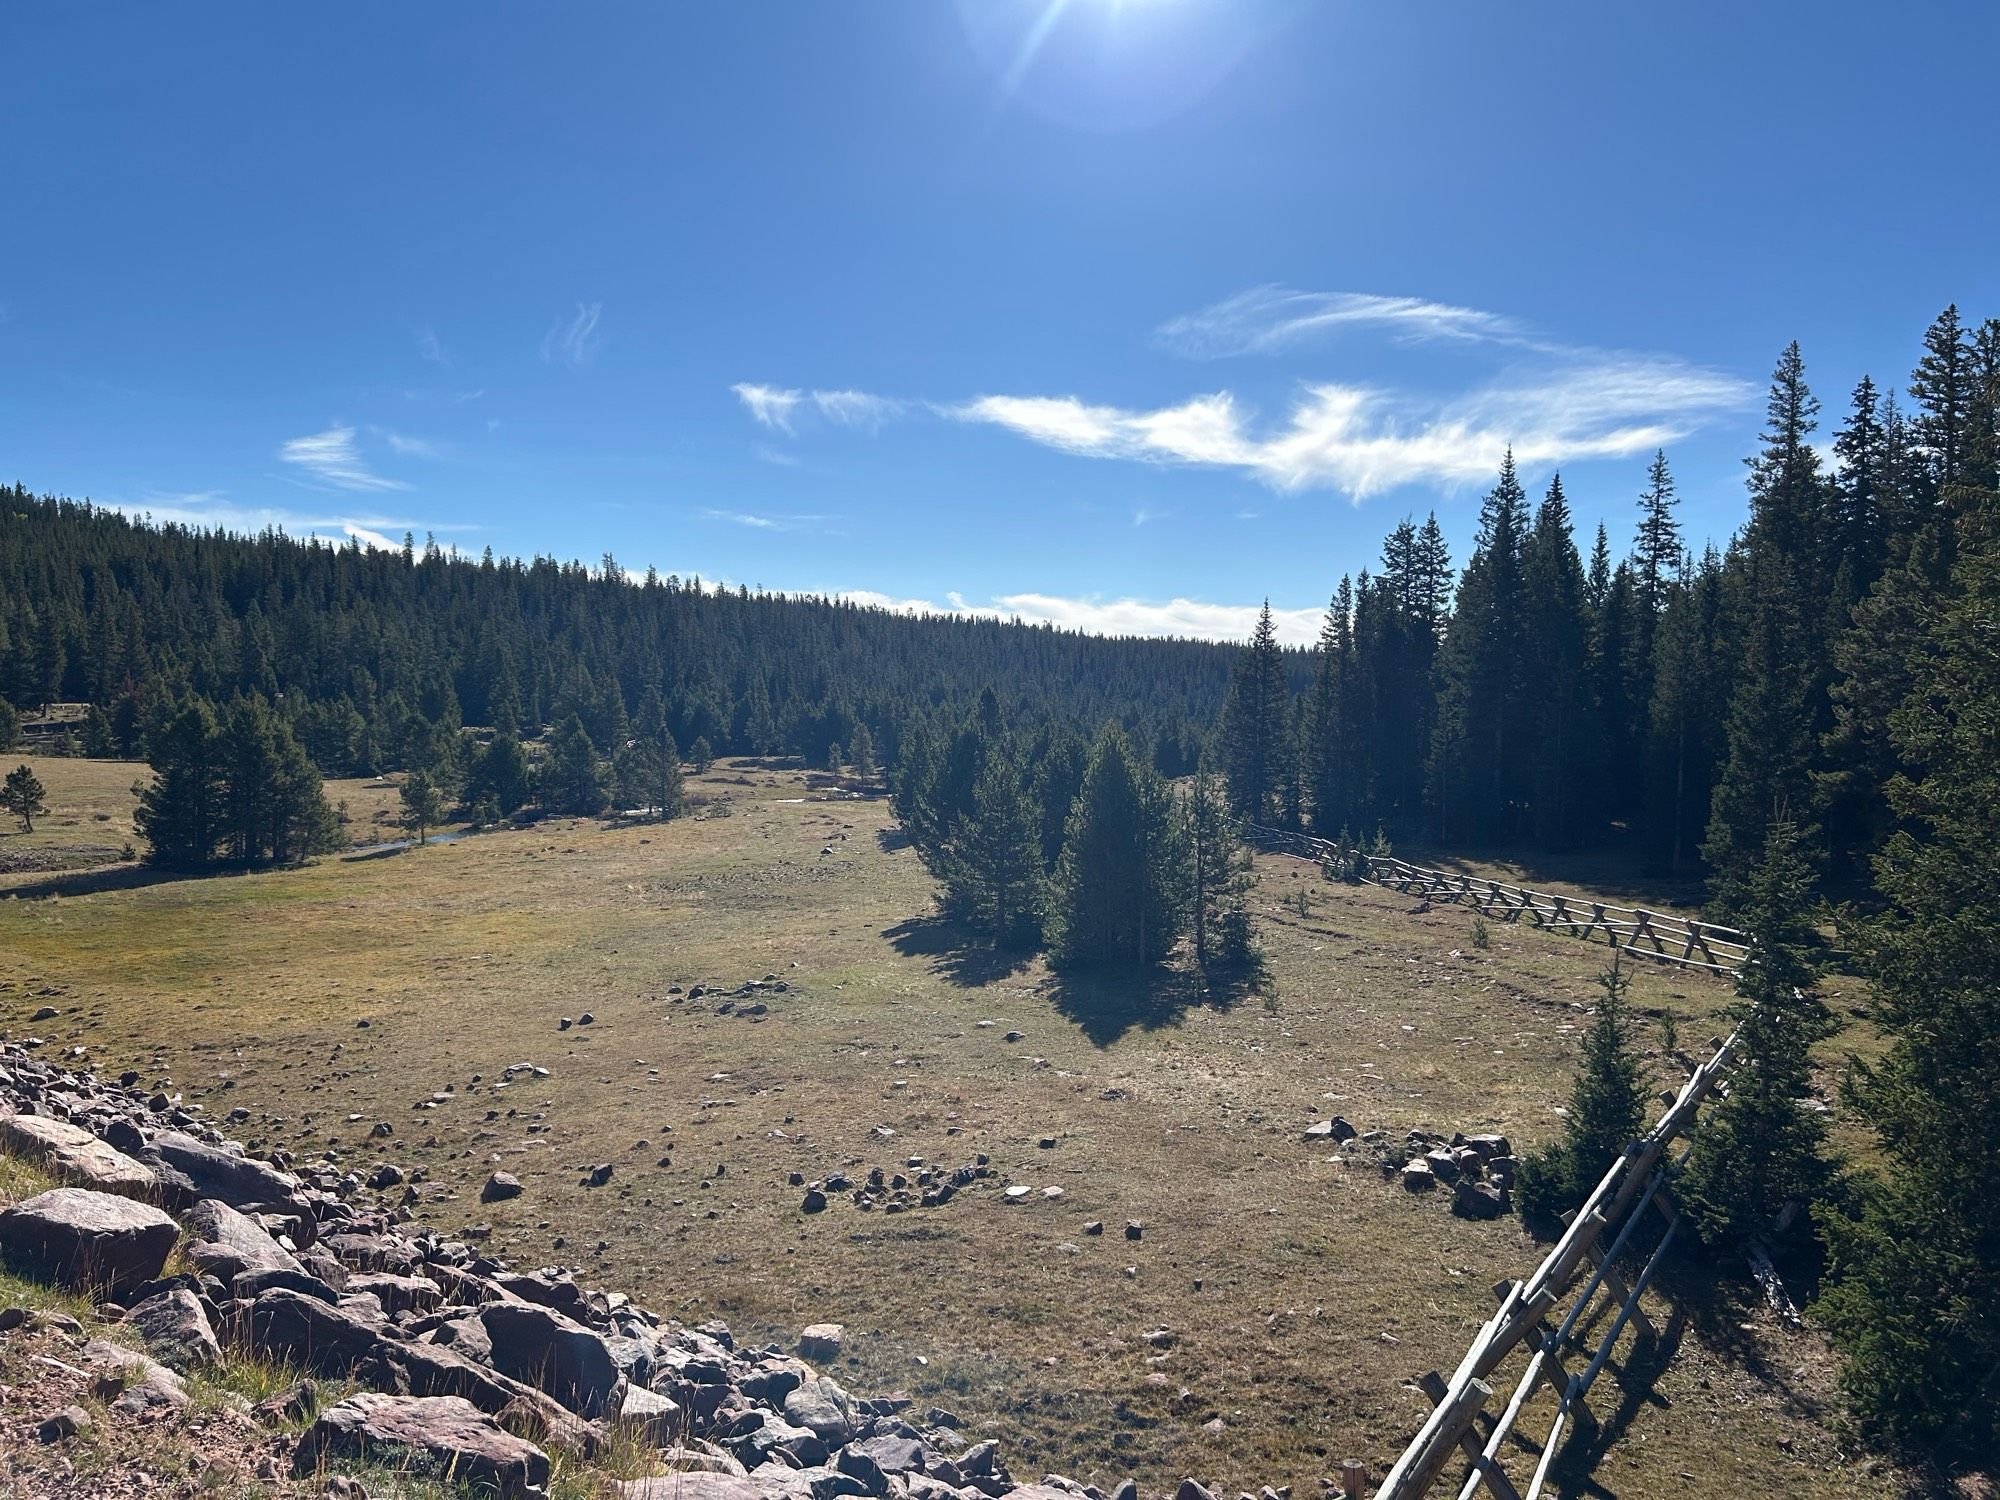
[553, 1353]
[75, 1156]
[500, 1187]
[652, 1416]
[690, 1486]
[1418, 1176]
[824, 1407]
[226, 1243]
[820, 1342]
[176, 1328]
[86, 1240]
[327, 1340]
[398, 1294]
[238, 1181]
[445, 1431]
[66, 1423]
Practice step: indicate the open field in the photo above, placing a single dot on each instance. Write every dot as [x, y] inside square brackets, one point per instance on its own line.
[1299, 1292]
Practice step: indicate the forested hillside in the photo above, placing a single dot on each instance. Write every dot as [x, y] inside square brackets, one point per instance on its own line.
[369, 651]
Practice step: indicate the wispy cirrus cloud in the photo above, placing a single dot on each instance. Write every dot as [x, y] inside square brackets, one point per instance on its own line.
[574, 342]
[1363, 440]
[1190, 619]
[431, 348]
[213, 510]
[410, 447]
[766, 523]
[769, 404]
[333, 458]
[1266, 319]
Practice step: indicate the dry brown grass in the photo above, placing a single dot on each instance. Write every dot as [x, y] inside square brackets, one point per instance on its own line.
[1302, 1291]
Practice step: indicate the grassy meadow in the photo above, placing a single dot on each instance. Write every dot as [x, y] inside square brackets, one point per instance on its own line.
[1283, 1288]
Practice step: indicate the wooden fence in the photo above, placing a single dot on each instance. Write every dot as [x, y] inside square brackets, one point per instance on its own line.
[1598, 1236]
[1664, 937]
[1548, 1316]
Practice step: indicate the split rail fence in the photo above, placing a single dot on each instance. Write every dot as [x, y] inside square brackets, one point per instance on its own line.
[1548, 1318]
[1664, 937]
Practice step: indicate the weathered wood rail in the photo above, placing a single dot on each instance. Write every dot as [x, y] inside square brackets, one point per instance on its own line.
[1598, 1237]
[1664, 937]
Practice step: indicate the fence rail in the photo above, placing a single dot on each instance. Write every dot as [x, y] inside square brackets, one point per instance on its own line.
[1527, 1316]
[1664, 937]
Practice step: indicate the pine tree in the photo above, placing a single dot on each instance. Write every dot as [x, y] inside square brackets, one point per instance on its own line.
[1685, 738]
[1218, 878]
[1257, 726]
[10, 725]
[423, 805]
[1915, 1296]
[1758, 1155]
[1483, 694]
[1607, 1109]
[1117, 895]
[1555, 649]
[572, 776]
[1945, 388]
[23, 796]
[861, 750]
[180, 811]
[995, 861]
[701, 756]
[1656, 554]
[1328, 752]
[499, 775]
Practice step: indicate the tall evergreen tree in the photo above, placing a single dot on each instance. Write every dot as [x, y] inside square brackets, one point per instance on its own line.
[1758, 1156]
[1607, 1109]
[1483, 690]
[1218, 878]
[1915, 1278]
[1118, 893]
[1554, 638]
[1257, 726]
[573, 776]
[995, 866]
[180, 812]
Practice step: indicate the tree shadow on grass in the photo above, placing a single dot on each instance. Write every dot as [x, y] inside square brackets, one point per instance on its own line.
[892, 839]
[961, 957]
[122, 877]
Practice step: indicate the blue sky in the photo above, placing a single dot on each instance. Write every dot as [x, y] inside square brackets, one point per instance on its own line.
[1124, 313]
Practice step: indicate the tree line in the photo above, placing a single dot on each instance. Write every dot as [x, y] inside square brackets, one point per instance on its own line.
[1689, 698]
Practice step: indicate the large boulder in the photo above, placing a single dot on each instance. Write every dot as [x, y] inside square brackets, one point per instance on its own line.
[824, 1407]
[420, 1369]
[134, 1384]
[87, 1241]
[693, 1485]
[75, 1156]
[175, 1327]
[544, 1349]
[317, 1336]
[239, 1181]
[441, 1433]
[228, 1244]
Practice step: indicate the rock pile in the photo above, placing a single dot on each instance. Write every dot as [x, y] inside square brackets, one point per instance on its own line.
[464, 1363]
[1479, 1169]
[894, 1190]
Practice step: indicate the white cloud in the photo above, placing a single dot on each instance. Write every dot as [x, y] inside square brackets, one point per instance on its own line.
[1187, 618]
[777, 407]
[769, 404]
[856, 408]
[410, 447]
[332, 456]
[574, 342]
[430, 348]
[1362, 440]
[211, 510]
[765, 523]
[1266, 319]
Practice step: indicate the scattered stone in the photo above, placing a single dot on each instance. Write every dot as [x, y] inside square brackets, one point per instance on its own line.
[75, 1156]
[821, 1342]
[228, 1245]
[66, 1423]
[500, 1187]
[1134, 1230]
[1418, 1176]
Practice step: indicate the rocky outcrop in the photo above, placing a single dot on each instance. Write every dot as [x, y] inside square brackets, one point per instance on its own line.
[87, 1241]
